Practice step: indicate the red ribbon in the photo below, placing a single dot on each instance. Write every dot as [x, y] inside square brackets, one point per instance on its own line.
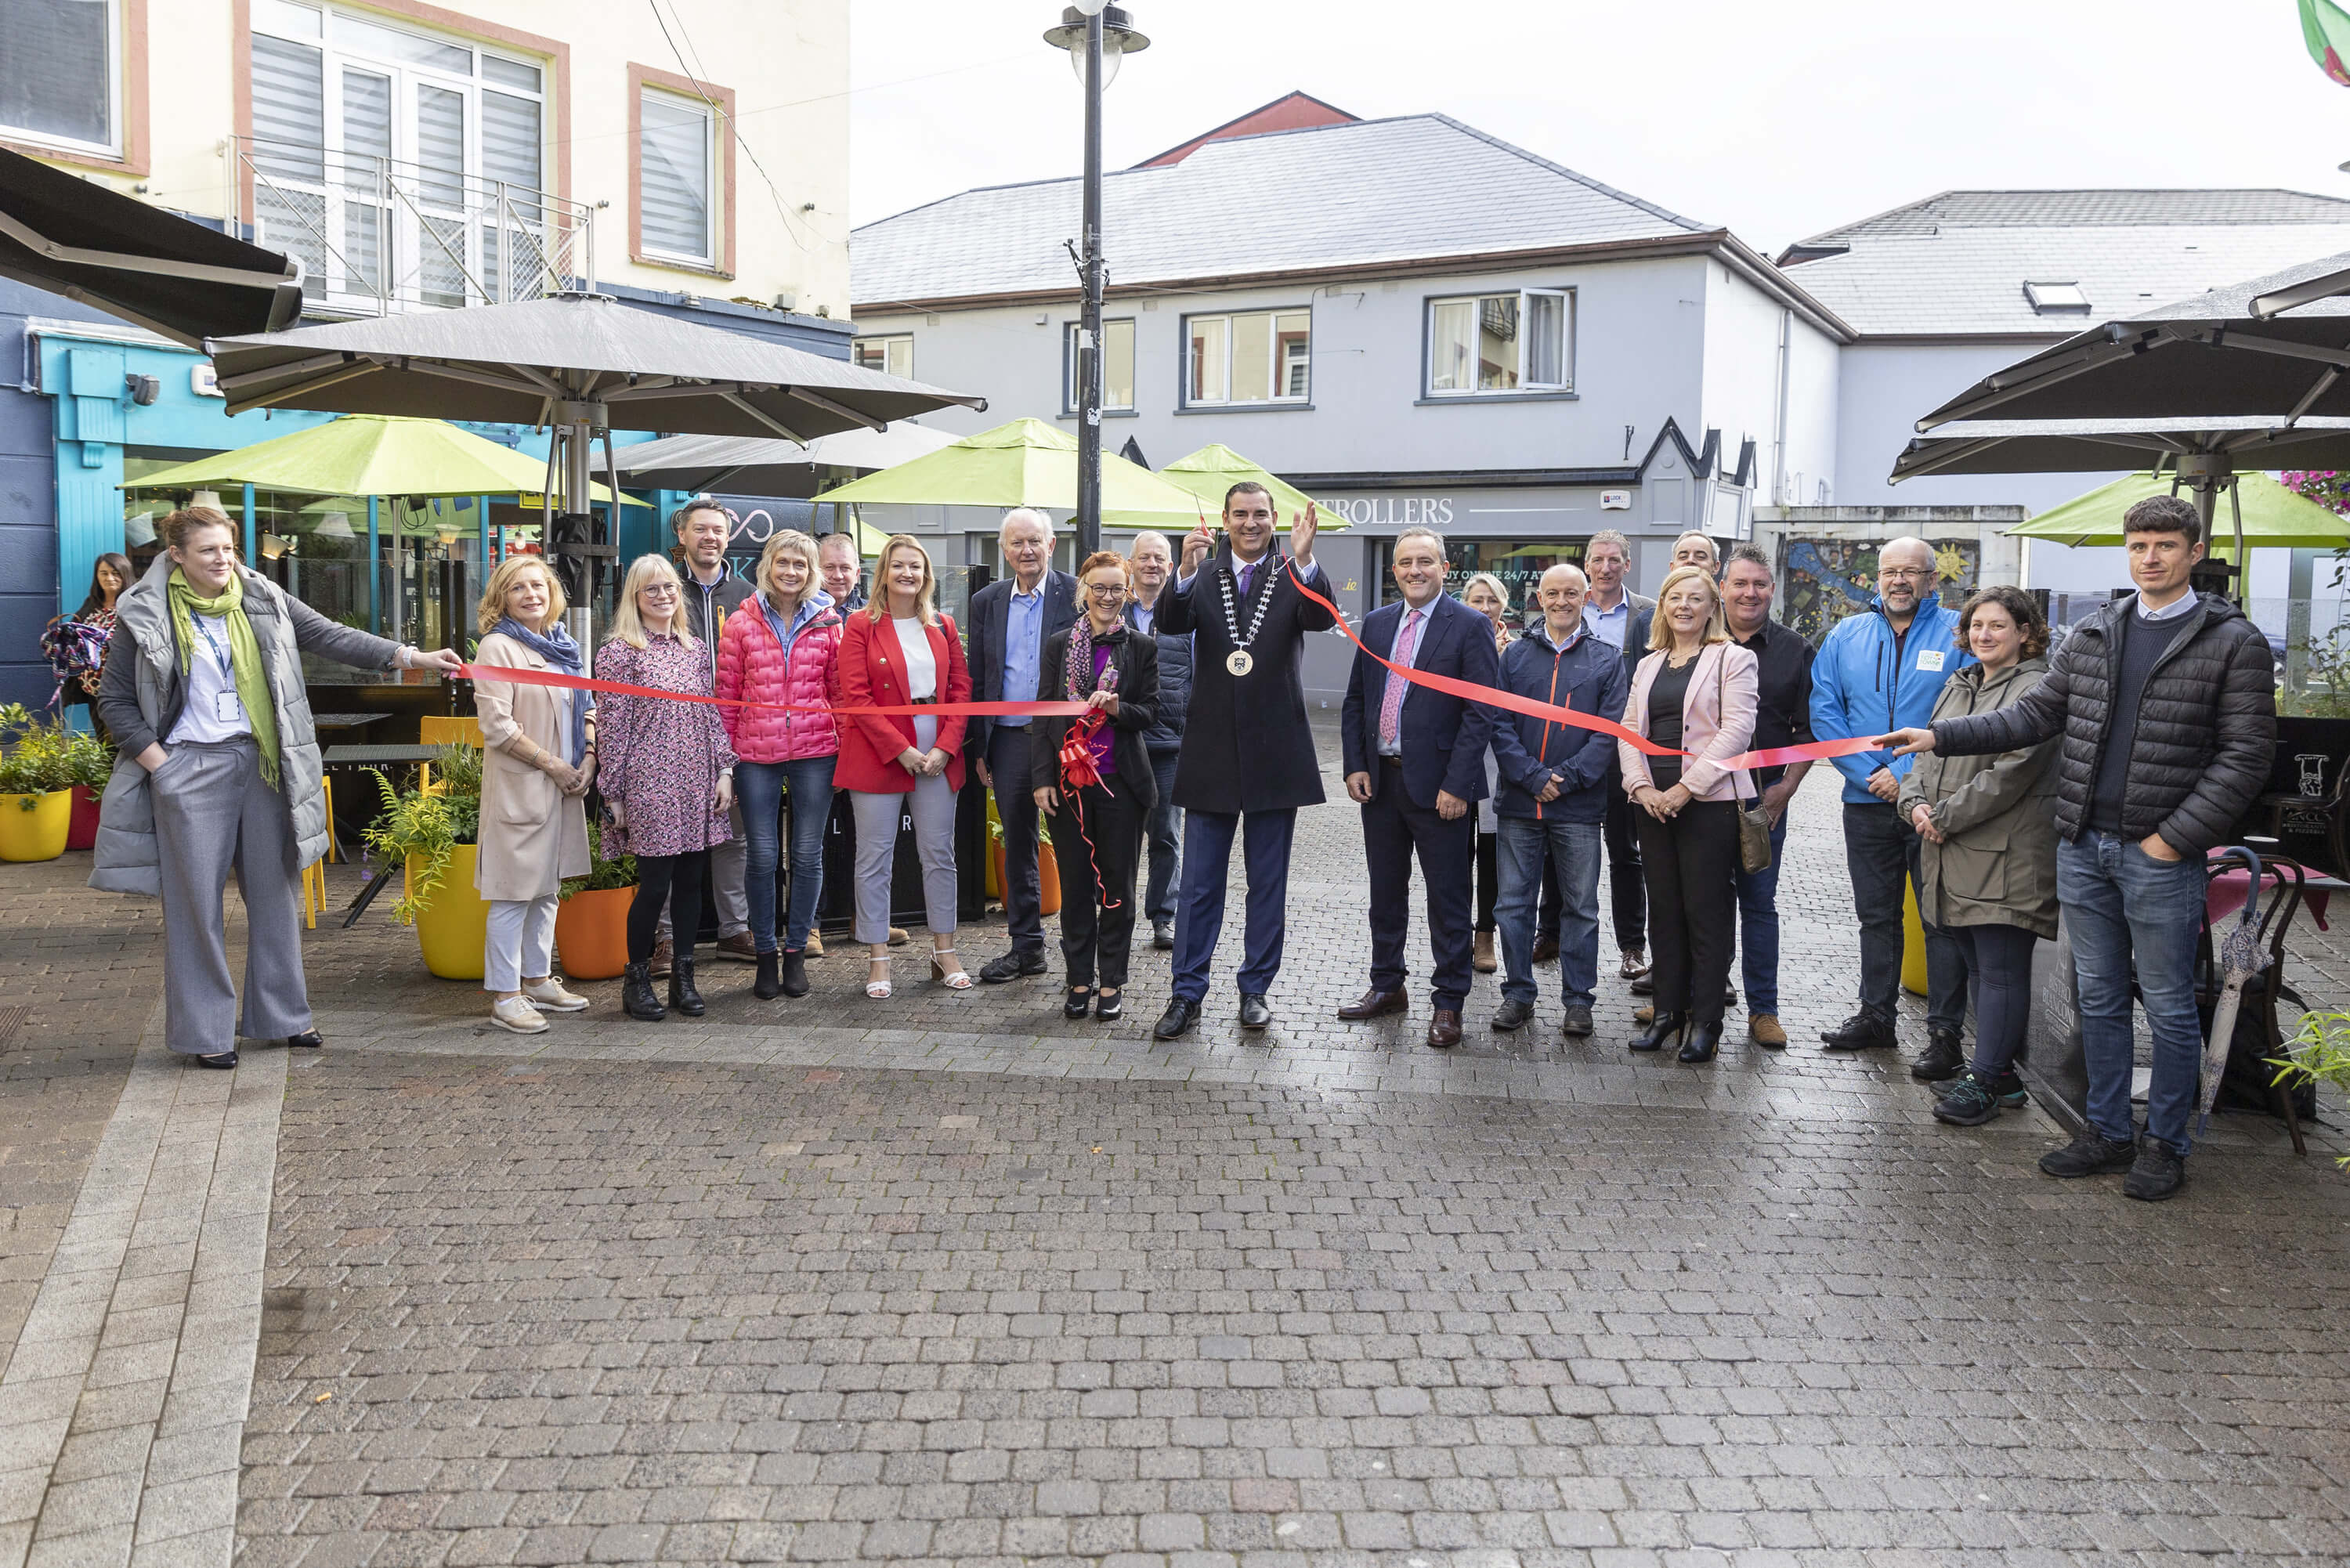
[1077, 771]
[520, 676]
[1492, 698]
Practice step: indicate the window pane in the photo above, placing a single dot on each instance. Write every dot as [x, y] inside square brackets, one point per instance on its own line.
[1547, 339]
[513, 73]
[1292, 338]
[510, 140]
[674, 215]
[1251, 359]
[1451, 346]
[440, 145]
[392, 44]
[290, 111]
[367, 129]
[1208, 338]
[1117, 364]
[54, 76]
[287, 21]
[900, 358]
[1497, 343]
[891, 356]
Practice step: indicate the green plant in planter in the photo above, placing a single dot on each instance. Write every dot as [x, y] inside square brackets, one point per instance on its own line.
[89, 762]
[2320, 1054]
[34, 755]
[619, 871]
[426, 829]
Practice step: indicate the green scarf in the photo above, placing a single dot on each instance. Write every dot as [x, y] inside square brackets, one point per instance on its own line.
[244, 657]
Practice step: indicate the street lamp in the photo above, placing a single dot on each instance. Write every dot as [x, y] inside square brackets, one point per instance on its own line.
[1097, 36]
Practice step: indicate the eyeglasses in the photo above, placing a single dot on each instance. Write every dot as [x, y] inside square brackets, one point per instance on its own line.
[1918, 574]
[1107, 590]
[658, 591]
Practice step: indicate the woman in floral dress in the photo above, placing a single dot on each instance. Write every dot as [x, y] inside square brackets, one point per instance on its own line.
[666, 773]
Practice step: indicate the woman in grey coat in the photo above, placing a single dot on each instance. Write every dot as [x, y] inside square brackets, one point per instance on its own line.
[217, 769]
[1988, 876]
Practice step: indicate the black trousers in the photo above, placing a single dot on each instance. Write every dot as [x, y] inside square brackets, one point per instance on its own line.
[1016, 809]
[1393, 829]
[1691, 863]
[659, 876]
[1488, 877]
[1097, 857]
[1624, 832]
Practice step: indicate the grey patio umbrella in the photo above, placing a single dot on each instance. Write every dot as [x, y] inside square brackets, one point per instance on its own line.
[160, 271]
[579, 363]
[757, 466]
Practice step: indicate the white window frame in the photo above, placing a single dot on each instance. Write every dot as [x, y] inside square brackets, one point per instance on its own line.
[885, 341]
[1525, 387]
[1274, 367]
[1069, 330]
[713, 199]
[116, 107]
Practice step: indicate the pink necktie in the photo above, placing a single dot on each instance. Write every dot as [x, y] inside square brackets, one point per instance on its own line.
[1391, 702]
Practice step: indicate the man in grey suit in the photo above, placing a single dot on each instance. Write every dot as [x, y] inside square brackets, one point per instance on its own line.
[1010, 620]
[1619, 618]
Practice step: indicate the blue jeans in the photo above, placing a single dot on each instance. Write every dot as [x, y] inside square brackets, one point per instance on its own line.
[1758, 927]
[759, 790]
[1879, 850]
[1164, 828]
[1575, 852]
[2120, 902]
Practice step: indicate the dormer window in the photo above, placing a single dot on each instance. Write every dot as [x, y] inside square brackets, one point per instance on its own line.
[2056, 298]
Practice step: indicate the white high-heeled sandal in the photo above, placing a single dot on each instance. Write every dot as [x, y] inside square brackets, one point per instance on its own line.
[878, 989]
[954, 979]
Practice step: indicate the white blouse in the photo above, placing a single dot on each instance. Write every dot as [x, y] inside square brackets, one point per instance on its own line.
[921, 665]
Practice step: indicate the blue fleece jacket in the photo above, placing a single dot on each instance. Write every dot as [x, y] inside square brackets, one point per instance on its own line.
[1867, 680]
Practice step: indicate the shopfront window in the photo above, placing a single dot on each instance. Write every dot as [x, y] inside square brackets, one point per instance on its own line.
[1518, 566]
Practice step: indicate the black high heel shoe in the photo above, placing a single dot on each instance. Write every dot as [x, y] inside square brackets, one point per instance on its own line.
[1079, 1003]
[1701, 1042]
[1662, 1031]
[1109, 1006]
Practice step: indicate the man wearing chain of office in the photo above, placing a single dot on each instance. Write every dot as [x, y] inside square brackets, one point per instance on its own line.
[1248, 760]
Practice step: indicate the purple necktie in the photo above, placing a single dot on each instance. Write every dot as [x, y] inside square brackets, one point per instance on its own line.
[1247, 571]
[1391, 702]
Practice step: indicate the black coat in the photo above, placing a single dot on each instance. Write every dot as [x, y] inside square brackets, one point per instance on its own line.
[983, 642]
[1174, 688]
[1442, 738]
[2206, 725]
[1137, 662]
[1247, 745]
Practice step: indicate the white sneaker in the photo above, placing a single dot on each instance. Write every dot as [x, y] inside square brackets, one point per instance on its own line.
[548, 996]
[517, 1014]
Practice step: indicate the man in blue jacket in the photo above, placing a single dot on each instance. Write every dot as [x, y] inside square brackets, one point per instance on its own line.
[1875, 673]
[1555, 779]
[1415, 761]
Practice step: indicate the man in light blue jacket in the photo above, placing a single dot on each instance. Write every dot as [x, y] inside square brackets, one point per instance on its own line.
[1887, 667]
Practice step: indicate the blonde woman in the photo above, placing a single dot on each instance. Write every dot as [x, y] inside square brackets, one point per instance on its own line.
[1486, 595]
[899, 651]
[1695, 692]
[783, 648]
[537, 761]
[667, 777]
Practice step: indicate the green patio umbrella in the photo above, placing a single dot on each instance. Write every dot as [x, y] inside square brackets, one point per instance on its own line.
[1024, 464]
[2275, 517]
[1216, 468]
[369, 454]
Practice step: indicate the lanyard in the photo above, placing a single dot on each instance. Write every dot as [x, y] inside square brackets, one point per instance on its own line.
[219, 650]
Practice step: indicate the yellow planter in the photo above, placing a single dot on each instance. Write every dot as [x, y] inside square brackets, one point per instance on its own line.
[1913, 942]
[453, 927]
[33, 826]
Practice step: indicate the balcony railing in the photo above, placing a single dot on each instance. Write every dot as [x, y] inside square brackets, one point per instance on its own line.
[376, 235]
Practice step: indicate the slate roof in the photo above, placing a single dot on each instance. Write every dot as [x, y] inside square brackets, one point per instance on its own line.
[1417, 186]
[1955, 265]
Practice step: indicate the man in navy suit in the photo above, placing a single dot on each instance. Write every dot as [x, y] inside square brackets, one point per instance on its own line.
[1415, 761]
[1009, 619]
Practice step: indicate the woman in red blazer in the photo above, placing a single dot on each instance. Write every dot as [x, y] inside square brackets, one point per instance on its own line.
[899, 651]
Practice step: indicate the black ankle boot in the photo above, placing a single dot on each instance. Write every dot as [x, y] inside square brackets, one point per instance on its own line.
[682, 994]
[1701, 1042]
[1662, 1031]
[637, 998]
[795, 979]
[768, 986]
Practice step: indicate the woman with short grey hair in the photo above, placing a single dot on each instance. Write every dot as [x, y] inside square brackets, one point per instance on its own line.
[217, 769]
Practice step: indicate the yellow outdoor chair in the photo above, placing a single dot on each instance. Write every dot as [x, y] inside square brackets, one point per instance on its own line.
[443, 730]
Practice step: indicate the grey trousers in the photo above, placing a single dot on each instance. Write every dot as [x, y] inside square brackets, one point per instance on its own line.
[727, 878]
[213, 815]
[932, 806]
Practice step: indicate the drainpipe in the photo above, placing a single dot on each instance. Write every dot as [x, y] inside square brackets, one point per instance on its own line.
[1778, 434]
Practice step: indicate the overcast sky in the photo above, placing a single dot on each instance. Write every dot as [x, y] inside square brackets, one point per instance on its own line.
[1776, 118]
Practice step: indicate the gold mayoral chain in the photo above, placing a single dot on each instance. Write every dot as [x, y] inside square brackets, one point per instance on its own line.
[1240, 661]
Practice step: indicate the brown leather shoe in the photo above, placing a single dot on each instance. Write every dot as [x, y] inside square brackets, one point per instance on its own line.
[1545, 948]
[1643, 1015]
[659, 965]
[1375, 1002]
[1480, 957]
[738, 948]
[1763, 1028]
[1444, 1029]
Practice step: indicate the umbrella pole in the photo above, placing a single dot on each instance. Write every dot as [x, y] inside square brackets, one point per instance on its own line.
[375, 572]
[2243, 567]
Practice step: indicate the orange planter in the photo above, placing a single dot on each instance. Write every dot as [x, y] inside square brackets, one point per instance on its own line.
[591, 932]
[1048, 875]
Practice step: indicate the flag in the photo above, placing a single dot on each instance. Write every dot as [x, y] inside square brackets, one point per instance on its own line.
[2326, 29]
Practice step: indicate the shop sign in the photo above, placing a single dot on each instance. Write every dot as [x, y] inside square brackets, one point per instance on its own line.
[1425, 511]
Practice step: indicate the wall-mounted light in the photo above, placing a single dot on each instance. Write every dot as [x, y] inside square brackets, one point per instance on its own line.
[144, 389]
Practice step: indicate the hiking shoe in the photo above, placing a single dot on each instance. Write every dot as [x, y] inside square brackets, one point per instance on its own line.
[2091, 1153]
[1966, 1102]
[658, 965]
[2008, 1089]
[1943, 1059]
[1864, 1031]
[2156, 1174]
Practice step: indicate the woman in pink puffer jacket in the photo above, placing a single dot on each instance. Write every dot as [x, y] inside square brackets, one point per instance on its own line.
[783, 647]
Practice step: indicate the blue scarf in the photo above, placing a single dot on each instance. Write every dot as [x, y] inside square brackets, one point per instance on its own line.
[554, 645]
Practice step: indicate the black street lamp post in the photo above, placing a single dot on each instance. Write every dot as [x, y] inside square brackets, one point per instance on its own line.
[1097, 36]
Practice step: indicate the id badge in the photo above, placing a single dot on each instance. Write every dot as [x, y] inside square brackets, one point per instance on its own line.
[1930, 659]
[227, 709]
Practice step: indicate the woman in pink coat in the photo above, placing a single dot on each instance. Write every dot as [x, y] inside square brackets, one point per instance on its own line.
[783, 647]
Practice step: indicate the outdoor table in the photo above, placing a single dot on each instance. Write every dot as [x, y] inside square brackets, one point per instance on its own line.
[363, 756]
[343, 721]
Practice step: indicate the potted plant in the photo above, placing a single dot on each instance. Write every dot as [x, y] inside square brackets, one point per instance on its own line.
[89, 762]
[591, 926]
[2320, 1054]
[1048, 869]
[434, 833]
[36, 807]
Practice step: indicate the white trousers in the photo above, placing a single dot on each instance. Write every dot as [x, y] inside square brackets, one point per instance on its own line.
[521, 943]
